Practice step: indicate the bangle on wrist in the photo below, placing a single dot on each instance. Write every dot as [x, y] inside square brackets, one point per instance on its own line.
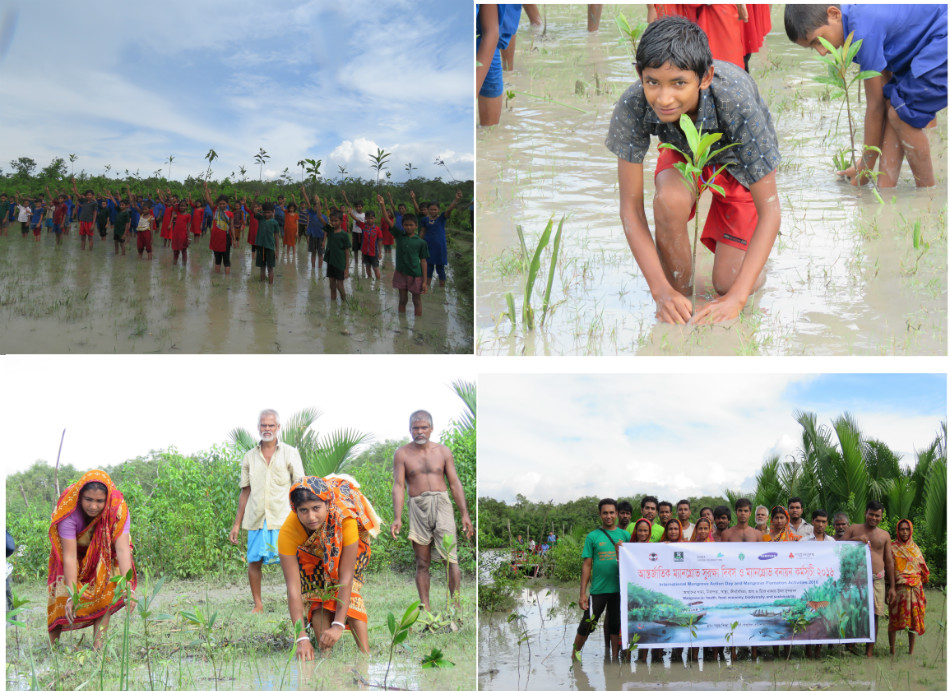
[339, 623]
[303, 638]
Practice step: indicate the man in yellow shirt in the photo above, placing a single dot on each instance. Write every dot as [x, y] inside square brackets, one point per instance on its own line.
[267, 473]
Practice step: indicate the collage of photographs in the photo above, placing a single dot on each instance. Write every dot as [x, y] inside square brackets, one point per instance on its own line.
[396, 414]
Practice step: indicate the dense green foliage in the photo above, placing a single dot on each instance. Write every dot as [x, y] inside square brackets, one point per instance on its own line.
[837, 468]
[24, 180]
[182, 508]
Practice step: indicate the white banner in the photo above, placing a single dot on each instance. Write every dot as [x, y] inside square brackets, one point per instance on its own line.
[745, 593]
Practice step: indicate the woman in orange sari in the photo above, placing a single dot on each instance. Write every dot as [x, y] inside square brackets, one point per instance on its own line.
[673, 531]
[324, 548]
[908, 608]
[89, 534]
[778, 530]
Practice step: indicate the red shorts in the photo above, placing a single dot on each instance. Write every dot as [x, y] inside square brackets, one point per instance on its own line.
[85, 228]
[411, 283]
[732, 219]
[143, 240]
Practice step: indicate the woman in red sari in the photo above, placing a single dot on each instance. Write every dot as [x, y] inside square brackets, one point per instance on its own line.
[641, 530]
[90, 543]
[908, 608]
[673, 531]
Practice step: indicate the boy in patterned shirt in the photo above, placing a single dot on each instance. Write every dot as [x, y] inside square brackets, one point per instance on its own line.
[679, 77]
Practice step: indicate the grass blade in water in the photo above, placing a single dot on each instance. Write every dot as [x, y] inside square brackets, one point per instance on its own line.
[554, 254]
[533, 268]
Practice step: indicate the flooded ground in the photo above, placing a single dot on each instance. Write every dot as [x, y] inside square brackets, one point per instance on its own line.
[250, 651]
[530, 648]
[844, 277]
[61, 300]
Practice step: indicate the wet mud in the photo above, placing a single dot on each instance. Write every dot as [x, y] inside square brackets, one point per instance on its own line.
[61, 300]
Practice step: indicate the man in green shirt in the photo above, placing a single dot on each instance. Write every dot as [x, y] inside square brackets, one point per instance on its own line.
[601, 572]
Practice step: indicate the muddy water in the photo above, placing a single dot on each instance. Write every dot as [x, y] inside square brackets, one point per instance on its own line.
[532, 650]
[60, 300]
[843, 277]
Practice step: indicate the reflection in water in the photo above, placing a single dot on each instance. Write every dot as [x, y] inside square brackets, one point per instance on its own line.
[58, 299]
[844, 275]
[531, 649]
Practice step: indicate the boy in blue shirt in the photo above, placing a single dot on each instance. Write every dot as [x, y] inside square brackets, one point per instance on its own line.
[432, 230]
[908, 45]
[679, 77]
[315, 233]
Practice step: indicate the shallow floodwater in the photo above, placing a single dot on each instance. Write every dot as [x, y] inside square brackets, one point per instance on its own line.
[61, 300]
[530, 648]
[844, 277]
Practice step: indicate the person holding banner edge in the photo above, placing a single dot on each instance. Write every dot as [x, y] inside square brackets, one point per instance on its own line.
[882, 560]
[601, 572]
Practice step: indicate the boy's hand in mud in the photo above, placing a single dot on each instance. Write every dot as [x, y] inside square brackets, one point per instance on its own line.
[719, 310]
[673, 307]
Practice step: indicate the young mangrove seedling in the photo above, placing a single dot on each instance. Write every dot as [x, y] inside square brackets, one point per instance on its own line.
[839, 62]
[436, 659]
[399, 631]
[691, 169]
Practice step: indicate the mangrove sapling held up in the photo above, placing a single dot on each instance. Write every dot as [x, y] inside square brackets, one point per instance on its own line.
[692, 171]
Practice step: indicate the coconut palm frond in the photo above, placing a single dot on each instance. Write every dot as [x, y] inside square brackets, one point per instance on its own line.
[899, 496]
[296, 431]
[242, 439]
[854, 472]
[333, 450]
[466, 390]
[935, 499]
[768, 487]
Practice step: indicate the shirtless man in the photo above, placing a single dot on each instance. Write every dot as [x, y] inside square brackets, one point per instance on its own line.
[429, 467]
[722, 517]
[741, 531]
[882, 561]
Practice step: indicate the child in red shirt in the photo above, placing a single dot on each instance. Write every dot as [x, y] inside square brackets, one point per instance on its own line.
[181, 225]
[370, 247]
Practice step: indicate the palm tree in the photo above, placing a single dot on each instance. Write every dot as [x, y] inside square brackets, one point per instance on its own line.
[467, 392]
[321, 455]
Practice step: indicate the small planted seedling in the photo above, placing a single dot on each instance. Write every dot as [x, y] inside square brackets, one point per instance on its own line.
[691, 169]
[630, 33]
[839, 62]
[400, 631]
[204, 620]
[145, 607]
[436, 659]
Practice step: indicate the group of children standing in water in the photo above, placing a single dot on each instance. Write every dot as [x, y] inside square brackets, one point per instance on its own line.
[419, 239]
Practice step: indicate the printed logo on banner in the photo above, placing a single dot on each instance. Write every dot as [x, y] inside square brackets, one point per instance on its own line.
[677, 556]
[768, 555]
[741, 556]
[654, 556]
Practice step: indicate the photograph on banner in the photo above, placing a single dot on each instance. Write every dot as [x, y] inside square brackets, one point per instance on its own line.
[745, 593]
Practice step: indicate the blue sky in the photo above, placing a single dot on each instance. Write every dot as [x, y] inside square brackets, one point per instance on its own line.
[129, 84]
[562, 436]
